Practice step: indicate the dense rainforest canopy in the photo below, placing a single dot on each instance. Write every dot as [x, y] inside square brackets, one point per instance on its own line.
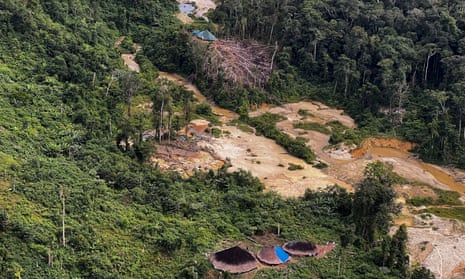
[75, 204]
[395, 66]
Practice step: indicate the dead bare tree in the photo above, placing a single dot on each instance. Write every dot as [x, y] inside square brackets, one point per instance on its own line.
[244, 62]
[130, 84]
[62, 198]
[274, 55]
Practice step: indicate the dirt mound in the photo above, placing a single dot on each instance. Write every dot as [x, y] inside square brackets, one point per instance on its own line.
[420, 191]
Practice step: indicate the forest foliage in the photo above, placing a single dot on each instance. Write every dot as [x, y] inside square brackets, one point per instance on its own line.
[77, 199]
[396, 67]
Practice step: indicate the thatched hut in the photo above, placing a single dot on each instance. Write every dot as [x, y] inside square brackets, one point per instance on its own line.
[234, 260]
[273, 255]
[301, 248]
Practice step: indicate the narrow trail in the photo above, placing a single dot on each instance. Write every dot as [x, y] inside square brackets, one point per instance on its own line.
[440, 268]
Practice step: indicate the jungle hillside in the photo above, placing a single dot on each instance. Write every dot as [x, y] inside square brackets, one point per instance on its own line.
[81, 195]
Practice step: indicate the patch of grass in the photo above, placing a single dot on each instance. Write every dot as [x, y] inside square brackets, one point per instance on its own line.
[216, 132]
[448, 197]
[304, 112]
[312, 126]
[245, 128]
[336, 125]
[444, 198]
[320, 165]
[293, 167]
[241, 125]
[204, 110]
[340, 133]
[265, 125]
[418, 201]
[447, 212]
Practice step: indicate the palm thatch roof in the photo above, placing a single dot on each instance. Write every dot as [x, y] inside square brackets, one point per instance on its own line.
[234, 260]
[301, 248]
[273, 255]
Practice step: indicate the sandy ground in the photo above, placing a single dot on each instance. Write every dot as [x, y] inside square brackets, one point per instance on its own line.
[263, 157]
[319, 113]
[269, 162]
[129, 61]
[439, 244]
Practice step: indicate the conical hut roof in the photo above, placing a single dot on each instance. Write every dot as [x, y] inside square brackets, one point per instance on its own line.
[234, 260]
[273, 255]
[301, 248]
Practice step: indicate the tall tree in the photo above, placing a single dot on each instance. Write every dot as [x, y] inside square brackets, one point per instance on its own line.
[374, 201]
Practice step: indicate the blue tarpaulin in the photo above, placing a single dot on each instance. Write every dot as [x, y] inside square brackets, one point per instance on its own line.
[204, 35]
[281, 254]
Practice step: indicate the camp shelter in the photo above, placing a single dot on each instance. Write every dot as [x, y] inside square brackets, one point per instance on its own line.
[301, 248]
[273, 255]
[205, 35]
[234, 260]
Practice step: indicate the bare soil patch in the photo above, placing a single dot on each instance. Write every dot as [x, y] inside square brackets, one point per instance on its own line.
[130, 59]
[130, 62]
[184, 158]
[269, 162]
[439, 244]
[420, 191]
[317, 112]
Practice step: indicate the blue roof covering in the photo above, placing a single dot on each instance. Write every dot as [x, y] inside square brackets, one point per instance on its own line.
[205, 35]
[281, 254]
[196, 32]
